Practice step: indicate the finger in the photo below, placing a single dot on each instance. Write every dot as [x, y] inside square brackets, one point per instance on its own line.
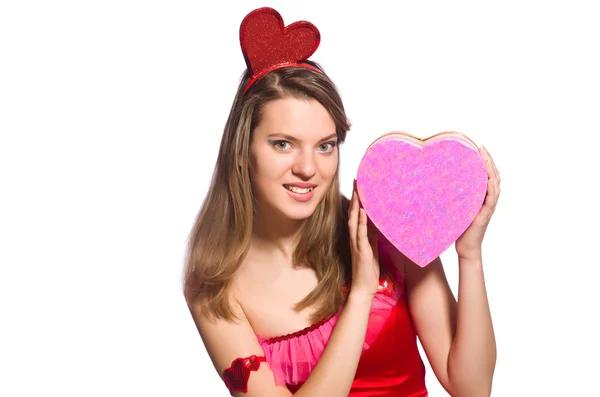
[491, 175]
[357, 196]
[373, 236]
[489, 168]
[490, 198]
[496, 183]
[356, 203]
[495, 168]
[496, 174]
[497, 186]
[362, 236]
[353, 218]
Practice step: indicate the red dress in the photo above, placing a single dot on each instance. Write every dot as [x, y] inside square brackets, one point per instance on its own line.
[390, 364]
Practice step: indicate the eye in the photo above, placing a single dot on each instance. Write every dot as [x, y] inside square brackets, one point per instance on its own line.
[328, 146]
[281, 145]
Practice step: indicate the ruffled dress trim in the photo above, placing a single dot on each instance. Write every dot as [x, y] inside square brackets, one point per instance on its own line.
[292, 357]
[296, 334]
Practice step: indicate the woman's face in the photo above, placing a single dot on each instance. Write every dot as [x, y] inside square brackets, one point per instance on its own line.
[293, 157]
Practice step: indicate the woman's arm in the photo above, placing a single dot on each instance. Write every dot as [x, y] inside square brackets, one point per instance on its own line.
[226, 341]
[458, 339]
[334, 373]
[472, 357]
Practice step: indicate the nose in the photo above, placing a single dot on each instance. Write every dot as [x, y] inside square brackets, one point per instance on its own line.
[304, 165]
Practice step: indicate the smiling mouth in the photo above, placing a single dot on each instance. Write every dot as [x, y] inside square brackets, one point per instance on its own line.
[298, 190]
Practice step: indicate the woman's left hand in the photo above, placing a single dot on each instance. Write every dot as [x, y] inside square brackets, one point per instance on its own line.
[468, 245]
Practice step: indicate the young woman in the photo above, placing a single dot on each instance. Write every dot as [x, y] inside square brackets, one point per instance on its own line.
[291, 288]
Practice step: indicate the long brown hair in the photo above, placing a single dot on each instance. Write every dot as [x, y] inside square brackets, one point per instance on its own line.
[220, 238]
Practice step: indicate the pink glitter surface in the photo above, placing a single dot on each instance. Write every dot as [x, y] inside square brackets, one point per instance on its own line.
[422, 194]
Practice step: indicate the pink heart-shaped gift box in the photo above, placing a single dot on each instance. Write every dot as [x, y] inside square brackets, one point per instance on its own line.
[422, 194]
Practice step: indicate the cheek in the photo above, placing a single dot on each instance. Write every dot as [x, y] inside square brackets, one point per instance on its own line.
[328, 166]
[267, 167]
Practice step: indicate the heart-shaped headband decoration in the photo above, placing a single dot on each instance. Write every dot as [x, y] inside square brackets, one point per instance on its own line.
[267, 44]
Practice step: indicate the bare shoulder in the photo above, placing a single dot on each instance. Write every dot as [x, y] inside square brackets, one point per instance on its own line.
[227, 340]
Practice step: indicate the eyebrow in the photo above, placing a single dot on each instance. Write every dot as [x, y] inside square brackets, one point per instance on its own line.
[293, 139]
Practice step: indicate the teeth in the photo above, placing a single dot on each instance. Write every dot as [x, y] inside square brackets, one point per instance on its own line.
[299, 190]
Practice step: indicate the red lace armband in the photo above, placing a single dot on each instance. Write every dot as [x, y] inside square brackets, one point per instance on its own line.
[236, 377]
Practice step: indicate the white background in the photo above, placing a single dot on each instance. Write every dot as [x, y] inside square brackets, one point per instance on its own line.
[111, 113]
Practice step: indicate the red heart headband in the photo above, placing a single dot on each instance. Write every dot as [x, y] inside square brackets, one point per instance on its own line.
[267, 44]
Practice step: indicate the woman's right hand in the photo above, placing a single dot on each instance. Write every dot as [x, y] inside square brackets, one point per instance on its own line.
[363, 246]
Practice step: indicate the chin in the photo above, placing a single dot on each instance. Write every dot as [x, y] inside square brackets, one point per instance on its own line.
[297, 211]
[299, 214]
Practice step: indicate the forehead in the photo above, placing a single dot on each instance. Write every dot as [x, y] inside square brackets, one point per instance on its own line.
[303, 119]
